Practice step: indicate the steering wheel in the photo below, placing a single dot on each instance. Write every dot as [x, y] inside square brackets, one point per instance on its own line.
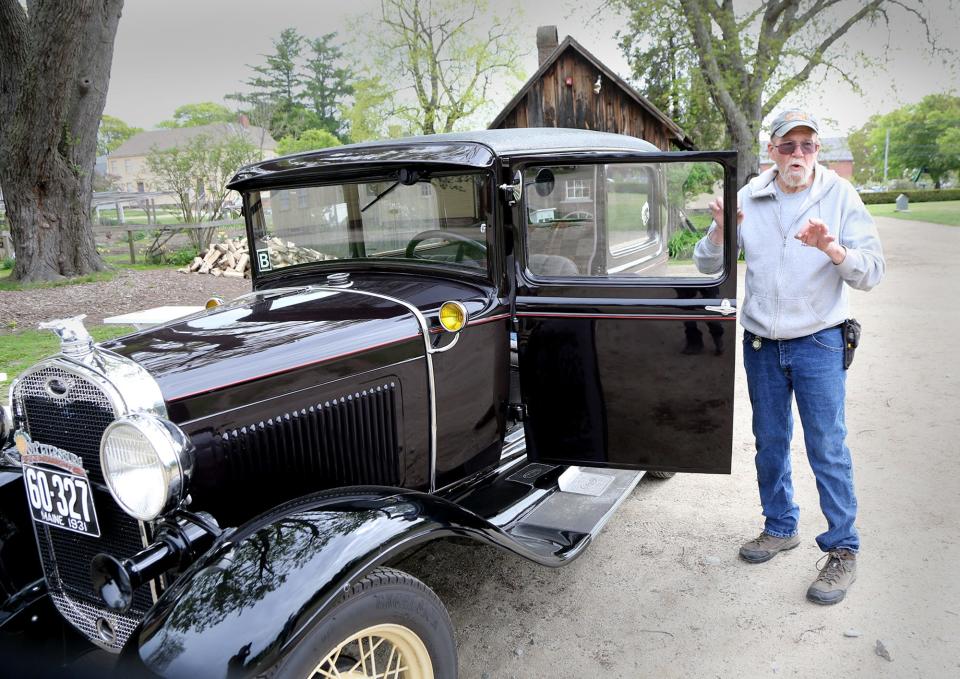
[465, 243]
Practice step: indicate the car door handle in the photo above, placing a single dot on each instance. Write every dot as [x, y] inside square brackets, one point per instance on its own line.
[725, 308]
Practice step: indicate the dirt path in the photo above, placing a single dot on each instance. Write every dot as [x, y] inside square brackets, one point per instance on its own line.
[127, 291]
[662, 594]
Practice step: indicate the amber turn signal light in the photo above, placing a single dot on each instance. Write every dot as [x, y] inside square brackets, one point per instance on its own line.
[453, 316]
[213, 303]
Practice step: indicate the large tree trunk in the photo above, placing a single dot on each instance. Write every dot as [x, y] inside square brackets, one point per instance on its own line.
[748, 160]
[57, 73]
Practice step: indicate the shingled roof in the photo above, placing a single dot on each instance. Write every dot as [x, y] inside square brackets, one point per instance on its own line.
[142, 143]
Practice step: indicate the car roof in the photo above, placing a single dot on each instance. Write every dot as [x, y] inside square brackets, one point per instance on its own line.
[477, 149]
[527, 139]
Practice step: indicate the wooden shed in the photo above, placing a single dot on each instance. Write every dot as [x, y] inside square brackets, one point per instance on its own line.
[572, 88]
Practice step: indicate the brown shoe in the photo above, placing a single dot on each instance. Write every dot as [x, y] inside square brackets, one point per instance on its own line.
[835, 578]
[766, 546]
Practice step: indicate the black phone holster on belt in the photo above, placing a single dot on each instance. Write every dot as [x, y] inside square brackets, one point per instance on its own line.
[851, 340]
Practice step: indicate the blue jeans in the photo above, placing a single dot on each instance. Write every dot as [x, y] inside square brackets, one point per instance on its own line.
[810, 367]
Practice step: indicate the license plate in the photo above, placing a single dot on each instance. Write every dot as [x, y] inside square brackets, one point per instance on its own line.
[61, 499]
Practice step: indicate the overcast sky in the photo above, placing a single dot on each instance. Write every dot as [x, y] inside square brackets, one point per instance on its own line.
[185, 51]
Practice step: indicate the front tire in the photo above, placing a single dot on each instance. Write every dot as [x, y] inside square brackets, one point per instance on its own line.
[662, 475]
[388, 624]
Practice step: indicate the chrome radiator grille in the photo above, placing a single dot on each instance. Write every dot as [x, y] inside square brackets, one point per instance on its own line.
[351, 440]
[74, 421]
[61, 408]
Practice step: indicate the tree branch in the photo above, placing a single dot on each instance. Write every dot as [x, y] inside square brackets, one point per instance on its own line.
[816, 58]
[700, 32]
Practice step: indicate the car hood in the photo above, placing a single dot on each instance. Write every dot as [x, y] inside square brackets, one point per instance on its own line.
[265, 334]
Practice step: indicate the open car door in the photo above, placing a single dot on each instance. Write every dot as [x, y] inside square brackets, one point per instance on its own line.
[626, 348]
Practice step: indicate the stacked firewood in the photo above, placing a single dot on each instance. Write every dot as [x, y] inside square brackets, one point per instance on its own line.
[230, 258]
[285, 254]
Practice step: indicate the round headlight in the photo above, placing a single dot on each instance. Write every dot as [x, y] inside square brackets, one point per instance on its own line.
[147, 463]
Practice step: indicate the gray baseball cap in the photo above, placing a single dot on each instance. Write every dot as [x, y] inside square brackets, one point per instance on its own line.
[791, 118]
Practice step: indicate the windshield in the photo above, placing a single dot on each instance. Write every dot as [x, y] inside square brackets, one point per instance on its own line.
[442, 219]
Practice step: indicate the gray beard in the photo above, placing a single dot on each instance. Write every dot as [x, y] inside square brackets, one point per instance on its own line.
[794, 181]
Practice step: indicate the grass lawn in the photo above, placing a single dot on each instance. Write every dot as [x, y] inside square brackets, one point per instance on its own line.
[133, 216]
[938, 212]
[20, 350]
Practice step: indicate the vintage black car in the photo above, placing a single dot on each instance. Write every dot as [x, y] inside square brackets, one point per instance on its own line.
[479, 335]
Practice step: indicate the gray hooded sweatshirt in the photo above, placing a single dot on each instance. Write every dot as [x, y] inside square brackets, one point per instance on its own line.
[791, 290]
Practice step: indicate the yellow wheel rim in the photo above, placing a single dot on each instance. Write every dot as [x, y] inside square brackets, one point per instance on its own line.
[378, 652]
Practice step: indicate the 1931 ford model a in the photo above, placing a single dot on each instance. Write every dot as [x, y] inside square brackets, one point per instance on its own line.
[477, 335]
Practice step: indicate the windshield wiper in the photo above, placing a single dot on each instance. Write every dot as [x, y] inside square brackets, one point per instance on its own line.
[380, 195]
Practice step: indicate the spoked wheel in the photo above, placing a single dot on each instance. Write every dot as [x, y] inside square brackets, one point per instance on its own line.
[388, 625]
[384, 651]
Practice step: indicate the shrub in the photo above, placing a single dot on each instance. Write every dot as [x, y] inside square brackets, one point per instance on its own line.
[181, 257]
[682, 243]
[915, 196]
[6, 263]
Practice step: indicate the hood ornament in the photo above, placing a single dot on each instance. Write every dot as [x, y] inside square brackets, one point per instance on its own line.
[75, 341]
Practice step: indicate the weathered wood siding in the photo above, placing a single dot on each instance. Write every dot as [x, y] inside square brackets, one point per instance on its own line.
[550, 102]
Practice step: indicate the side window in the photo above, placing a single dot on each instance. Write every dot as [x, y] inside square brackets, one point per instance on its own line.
[617, 219]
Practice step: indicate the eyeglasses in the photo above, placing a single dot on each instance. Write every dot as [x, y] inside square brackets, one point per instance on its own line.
[788, 147]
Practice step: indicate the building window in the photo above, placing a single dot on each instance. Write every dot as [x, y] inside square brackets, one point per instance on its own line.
[140, 187]
[283, 200]
[127, 165]
[302, 199]
[578, 189]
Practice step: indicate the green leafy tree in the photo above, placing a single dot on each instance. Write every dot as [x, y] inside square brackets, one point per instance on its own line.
[327, 83]
[370, 113]
[197, 173]
[667, 73]
[923, 140]
[307, 141]
[279, 77]
[113, 132]
[204, 113]
[439, 52]
[859, 142]
[276, 98]
[922, 144]
[751, 60]
[867, 147]
[54, 74]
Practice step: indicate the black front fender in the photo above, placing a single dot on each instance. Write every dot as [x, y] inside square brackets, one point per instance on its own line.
[238, 610]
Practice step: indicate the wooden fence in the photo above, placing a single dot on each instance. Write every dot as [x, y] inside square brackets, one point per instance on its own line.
[116, 239]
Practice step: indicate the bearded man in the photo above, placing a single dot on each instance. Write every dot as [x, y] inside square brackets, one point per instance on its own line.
[806, 236]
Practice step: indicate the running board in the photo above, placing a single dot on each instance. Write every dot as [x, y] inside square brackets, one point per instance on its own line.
[550, 513]
[576, 511]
